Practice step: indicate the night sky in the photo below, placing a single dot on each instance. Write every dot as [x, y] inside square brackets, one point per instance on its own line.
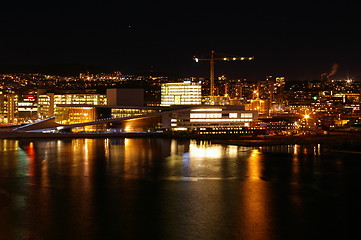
[298, 40]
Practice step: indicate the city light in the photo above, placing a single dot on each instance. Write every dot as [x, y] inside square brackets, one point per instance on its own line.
[319, 105]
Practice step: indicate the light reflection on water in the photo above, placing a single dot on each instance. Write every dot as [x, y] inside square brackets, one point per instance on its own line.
[170, 189]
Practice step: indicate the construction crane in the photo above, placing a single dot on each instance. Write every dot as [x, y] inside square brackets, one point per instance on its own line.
[211, 60]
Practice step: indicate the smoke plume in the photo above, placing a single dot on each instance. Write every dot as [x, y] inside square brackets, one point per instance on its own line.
[333, 69]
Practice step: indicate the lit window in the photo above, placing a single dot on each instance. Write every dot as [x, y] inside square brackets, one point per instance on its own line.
[232, 115]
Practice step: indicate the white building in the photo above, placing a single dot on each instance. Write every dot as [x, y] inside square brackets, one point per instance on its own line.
[213, 120]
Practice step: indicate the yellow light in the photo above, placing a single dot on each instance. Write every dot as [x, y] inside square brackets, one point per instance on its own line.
[206, 109]
[128, 129]
[306, 116]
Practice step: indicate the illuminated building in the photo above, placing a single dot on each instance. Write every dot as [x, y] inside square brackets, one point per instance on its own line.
[48, 102]
[46, 105]
[185, 93]
[262, 106]
[27, 108]
[8, 107]
[344, 98]
[201, 120]
[280, 81]
[286, 124]
[214, 120]
[72, 114]
[90, 99]
[204, 120]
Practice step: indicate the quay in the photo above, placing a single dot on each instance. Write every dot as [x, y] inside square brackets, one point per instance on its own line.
[40, 135]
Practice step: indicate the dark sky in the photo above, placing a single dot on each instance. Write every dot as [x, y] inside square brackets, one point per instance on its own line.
[299, 40]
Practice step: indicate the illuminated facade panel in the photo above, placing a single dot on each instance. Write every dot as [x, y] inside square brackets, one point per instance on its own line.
[90, 99]
[48, 102]
[186, 93]
[130, 112]
[73, 115]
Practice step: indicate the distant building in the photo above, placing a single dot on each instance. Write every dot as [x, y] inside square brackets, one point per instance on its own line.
[184, 93]
[262, 106]
[125, 97]
[279, 124]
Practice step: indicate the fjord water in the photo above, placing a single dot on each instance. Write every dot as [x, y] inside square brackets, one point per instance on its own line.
[175, 189]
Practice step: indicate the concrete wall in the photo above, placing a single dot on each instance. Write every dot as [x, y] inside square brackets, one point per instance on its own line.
[125, 97]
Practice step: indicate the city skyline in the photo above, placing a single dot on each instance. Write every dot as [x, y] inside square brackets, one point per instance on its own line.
[299, 42]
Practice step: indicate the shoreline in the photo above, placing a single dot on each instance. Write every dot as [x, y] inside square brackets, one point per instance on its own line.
[291, 140]
[331, 139]
[25, 135]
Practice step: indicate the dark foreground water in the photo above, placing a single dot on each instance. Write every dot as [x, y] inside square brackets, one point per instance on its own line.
[169, 189]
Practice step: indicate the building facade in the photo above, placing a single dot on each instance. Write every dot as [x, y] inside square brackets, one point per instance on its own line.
[8, 107]
[125, 96]
[184, 93]
[214, 120]
[27, 109]
[48, 102]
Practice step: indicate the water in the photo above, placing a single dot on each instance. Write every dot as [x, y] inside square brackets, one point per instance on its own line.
[175, 189]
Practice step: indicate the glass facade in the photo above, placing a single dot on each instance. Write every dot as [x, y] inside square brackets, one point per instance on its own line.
[90, 99]
[72, 115]
[130, 112]
[48, 102]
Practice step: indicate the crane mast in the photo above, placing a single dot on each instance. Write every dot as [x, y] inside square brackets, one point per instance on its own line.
[211, 67]
[212, 60]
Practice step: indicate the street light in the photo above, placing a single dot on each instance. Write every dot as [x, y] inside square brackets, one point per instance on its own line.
[306, 117]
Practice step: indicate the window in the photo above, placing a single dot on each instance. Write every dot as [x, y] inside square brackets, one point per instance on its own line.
[177, 99]
[246, 115]
[232, 115]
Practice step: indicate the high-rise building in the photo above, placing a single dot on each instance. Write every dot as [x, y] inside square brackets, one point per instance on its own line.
[184, 93]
